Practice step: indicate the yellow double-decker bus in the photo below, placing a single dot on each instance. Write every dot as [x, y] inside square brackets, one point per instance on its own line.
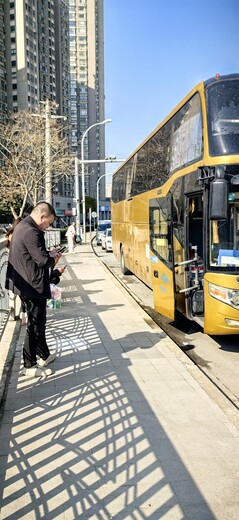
[175, 209]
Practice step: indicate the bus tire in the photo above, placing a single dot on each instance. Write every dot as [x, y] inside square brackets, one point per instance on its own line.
[124, 269]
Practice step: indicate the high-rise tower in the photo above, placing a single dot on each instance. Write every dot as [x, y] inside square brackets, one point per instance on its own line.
[87, 84]
[3, 83]
[30, 52]
[54, 51]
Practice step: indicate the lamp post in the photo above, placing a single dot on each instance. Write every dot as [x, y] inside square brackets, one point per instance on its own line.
[83, 170]
[77, 190]
[77, 199]
[98, 196]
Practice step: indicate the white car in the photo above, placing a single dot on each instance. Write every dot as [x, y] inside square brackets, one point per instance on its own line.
[106, 240]
[102, 226]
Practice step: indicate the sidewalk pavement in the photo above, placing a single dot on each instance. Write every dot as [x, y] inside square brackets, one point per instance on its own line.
[122, 429]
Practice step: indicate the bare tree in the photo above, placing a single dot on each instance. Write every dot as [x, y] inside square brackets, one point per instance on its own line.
[22, 158]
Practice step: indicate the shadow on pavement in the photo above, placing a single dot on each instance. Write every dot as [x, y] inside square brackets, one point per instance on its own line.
[85, 442]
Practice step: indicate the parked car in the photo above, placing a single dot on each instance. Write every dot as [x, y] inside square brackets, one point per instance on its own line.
[106, 240]
[102, 226]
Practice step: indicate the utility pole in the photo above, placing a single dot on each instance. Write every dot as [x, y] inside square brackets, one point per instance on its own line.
[48, 173]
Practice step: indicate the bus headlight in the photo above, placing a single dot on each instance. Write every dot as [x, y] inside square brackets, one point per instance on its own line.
[228, 296]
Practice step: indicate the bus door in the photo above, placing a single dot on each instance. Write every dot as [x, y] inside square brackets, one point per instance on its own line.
[179, 252]
[161, 255]
[194, 265]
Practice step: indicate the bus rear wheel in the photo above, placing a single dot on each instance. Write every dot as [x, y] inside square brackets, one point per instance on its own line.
[124, 269]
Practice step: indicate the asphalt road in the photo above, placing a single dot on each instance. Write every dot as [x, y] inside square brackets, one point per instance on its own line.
[217, 356]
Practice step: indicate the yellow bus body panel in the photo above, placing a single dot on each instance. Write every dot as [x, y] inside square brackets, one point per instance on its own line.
[132, 234]
[163, 289]
[216, 312]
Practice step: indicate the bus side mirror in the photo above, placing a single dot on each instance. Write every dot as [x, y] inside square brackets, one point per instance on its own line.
[218, 202]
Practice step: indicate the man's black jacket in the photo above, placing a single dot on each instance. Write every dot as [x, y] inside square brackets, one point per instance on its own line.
[29, 262]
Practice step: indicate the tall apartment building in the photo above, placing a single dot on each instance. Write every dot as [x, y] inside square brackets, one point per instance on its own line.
[54, 50]
[3, 83]
[30, 53]
[87, 86]
[65, 187]
[62, 56]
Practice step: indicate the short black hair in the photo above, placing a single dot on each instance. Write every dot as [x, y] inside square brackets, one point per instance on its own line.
[44, 207]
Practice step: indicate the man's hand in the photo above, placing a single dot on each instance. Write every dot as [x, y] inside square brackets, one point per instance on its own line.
[55, 253]
[61, 269]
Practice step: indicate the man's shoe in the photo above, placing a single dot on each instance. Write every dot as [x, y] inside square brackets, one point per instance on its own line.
[36, 372]
[45, 362]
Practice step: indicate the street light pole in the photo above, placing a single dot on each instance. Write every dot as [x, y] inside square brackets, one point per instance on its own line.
[77, 198]
[83, 172]
[77, 188]
[98, 197]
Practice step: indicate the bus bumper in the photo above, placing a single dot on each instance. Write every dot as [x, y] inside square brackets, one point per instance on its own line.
[219, 318]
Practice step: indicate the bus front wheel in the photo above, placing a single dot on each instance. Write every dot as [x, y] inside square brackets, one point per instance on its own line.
[124, 269]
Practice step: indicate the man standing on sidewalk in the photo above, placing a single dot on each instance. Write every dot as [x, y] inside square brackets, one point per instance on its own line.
[28, 276]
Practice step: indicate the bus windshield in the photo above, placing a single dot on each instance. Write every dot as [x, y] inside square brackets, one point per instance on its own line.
[223, 117]
[224, 237]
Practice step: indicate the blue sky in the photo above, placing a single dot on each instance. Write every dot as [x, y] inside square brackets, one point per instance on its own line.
[156, 51]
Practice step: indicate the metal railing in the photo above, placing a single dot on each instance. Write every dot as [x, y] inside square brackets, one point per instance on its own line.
[52, 238]
[5, 301]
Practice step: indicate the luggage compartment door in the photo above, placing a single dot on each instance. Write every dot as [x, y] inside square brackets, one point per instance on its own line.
[161, 255]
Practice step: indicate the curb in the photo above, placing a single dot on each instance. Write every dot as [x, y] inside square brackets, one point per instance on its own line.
[9, 341]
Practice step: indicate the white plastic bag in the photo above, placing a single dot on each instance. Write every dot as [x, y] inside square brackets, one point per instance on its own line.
[55, 292]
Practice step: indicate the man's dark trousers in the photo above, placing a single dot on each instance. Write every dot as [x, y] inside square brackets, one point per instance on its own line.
[35, 339]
